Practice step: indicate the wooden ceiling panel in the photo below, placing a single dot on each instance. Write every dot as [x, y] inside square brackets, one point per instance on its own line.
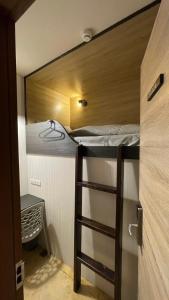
[105, 61]
[105, 71]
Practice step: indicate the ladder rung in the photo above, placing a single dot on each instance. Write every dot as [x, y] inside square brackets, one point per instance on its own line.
[97, 226]
[98, 186]
[97, 267]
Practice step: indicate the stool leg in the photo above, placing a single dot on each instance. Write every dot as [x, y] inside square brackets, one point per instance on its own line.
[48, 248]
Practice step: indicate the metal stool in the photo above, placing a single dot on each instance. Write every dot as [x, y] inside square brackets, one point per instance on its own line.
[33, 219]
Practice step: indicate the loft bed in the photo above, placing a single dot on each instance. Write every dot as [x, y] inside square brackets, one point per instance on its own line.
[113, 96]
[53, 139]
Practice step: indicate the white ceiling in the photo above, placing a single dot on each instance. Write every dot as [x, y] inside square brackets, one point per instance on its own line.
[52, 27]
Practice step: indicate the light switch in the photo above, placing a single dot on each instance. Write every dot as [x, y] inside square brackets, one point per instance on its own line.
[36, 182]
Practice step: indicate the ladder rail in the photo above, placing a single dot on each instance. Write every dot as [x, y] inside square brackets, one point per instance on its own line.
[78, 212]
[119, 223]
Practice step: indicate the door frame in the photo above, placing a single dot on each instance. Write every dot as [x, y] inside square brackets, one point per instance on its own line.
[10, 224]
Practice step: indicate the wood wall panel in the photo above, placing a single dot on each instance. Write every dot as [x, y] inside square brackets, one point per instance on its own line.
[154, 165]
[121, 106]
[45, 104]
[154, 195]
[105, 71]
[154, 114]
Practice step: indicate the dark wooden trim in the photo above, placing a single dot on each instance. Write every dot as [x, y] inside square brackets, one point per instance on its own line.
[140, 11]
[104, 229]
[119, 224]
[6, 219]
[14, 11]
[21, 8]
[14, 146]
[98, 187]
[131, 152]
[128, 152]
[97, 267]
[4, 12]
[78, 212]
[10, 229]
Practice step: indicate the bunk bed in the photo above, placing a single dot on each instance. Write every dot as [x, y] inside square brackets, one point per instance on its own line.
[52, 138]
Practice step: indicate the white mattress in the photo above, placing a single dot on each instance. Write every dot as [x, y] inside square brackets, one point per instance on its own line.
[109, 140]
[114, 129]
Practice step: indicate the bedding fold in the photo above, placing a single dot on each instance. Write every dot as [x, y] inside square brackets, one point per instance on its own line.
[114, 129]
[109, 140]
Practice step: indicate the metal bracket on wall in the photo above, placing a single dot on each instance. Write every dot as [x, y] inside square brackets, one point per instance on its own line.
[138, 226]
[156, 87]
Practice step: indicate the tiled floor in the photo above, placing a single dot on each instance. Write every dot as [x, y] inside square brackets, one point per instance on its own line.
[49, 279]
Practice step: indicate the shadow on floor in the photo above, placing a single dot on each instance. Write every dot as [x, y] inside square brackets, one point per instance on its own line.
[39, 269]
[49, 279]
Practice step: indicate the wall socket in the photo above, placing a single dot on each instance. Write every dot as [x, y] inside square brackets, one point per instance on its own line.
[36, 182]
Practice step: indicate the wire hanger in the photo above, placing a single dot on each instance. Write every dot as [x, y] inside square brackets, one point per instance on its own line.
[47, 136]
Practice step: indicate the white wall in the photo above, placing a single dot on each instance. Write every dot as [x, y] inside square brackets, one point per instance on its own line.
[57, 175]
[22, 137]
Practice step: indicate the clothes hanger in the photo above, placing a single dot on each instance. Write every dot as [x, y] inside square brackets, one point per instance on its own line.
[46, 134]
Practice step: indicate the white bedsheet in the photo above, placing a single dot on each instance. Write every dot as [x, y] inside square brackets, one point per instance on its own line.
[109, 140]
[114, 129]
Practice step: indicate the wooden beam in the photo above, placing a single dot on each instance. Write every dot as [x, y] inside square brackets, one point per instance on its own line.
[15, 8]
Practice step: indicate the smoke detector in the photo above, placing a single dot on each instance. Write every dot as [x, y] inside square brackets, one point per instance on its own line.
[87, 35]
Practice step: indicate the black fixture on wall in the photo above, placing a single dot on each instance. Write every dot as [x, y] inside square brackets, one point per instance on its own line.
[83, 102]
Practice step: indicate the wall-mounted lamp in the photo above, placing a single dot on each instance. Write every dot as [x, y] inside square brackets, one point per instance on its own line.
[83, 102]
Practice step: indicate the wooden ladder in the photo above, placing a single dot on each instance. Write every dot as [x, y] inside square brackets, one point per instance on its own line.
[113, 277]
